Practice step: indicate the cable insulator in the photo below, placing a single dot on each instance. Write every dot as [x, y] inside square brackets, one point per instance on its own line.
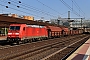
[9, 2]
[6, 6]
[19, 1]
[18, 6]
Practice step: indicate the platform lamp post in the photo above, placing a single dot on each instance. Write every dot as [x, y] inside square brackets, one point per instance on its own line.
[5, 31]
[58, 20]
[81, 25]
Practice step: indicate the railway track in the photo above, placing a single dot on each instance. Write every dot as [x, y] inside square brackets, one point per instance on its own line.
[64, 53]
[39, 50]
[4, 44]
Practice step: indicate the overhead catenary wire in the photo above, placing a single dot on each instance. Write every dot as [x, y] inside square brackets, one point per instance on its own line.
[4, 11]
[40, 10]
[49, 7]
[80, 10]
[18, 10]
[33, 9]
[70, 8]
[39, 13]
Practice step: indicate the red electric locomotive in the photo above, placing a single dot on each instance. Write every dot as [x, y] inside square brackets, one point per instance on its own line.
[23, 32]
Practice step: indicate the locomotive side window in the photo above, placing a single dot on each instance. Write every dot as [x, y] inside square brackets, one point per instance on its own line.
[24, 29]
[14, 27]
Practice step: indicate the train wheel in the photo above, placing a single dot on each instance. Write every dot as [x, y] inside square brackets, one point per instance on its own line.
[18, 42]
[34, 39]
[23, 42]
[41, 39]
[30, 40]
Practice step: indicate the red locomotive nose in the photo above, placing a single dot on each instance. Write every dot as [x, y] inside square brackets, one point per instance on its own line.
[13, 31]
[13, 34]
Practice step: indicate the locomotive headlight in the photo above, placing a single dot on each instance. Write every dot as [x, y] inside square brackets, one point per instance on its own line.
[17, 33]
[9, 33]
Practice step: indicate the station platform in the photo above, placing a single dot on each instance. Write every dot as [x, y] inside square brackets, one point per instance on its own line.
[82, 53]
[3, 37]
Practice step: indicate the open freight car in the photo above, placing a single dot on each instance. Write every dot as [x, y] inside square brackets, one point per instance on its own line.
[54, 31]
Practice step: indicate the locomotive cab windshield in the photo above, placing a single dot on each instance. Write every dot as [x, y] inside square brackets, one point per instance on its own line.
[14, 27]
